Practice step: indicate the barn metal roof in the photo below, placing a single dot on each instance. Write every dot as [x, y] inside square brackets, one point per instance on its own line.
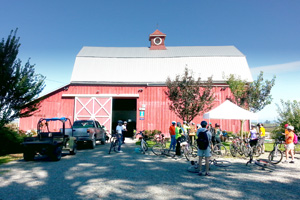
[139, 65]
[171, 52]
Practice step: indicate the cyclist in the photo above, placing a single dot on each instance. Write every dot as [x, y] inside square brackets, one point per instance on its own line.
[262, 133]
[204, 153]
[172, 132]
[218, 133]
[253, 136]
[119, 130]
[179, 135]
[289, 141]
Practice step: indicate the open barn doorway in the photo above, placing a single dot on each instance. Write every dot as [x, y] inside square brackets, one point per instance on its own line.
[125, 110]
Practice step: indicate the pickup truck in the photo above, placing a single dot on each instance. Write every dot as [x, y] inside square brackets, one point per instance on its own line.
[88, 131]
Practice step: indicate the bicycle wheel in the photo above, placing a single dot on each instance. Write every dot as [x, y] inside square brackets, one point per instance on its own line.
[275, 156]
[219, 150]
[188, 152]
[233, 150]
[144, 146]
[157, 149]
[111, 146]
[257, 150]
[194, 151]
[265, 164]
[246, 150]
[222, 163]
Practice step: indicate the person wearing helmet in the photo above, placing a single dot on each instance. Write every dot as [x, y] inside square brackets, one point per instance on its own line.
[124, 132]
[172, 132]
[179, 134]
[289, 141]
[119, 130]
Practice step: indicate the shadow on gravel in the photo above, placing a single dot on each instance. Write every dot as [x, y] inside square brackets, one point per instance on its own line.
[95, 174]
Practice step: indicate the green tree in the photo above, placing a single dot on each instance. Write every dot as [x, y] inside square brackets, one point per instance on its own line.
[189, 97]
[251, 96]
[19, 85]
[288, 113]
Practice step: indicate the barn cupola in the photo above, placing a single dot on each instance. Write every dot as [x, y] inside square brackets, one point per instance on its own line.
[157, 40]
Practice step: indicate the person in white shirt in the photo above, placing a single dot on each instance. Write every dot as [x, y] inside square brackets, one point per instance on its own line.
[119, 130]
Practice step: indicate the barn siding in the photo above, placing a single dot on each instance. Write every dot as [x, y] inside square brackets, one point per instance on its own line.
[157, 113]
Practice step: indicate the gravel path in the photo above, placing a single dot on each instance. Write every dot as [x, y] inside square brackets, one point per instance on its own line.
[93, 174]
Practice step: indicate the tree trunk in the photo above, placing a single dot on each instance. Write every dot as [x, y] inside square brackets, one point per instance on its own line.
[242, 129]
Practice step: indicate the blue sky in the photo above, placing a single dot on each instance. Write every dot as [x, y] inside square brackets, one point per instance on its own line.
[53, 32]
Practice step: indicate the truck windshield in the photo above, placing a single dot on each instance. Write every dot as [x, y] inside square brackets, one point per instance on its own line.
[83, 124]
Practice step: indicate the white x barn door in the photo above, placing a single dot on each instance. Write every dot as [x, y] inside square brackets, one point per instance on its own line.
[94, 108]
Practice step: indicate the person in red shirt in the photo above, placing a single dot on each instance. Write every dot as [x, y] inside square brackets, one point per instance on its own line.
[289, 141]
[173, 136]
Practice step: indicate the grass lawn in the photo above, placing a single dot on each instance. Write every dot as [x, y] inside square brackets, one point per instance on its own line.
[10, 157]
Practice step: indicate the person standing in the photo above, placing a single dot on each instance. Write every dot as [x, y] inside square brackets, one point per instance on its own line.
[186, 128]
[218, 133]
[204, 145]
[192, 133]
[124, 132]
[119, 130]
[179, 134]
[173, 136]
[262, 134]
[213, 133]
[253, 136]
[289, 141]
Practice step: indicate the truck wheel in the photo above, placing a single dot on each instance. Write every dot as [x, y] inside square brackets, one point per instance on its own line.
[56, 156]
[74, 150]
[28, 155]
[93, 143]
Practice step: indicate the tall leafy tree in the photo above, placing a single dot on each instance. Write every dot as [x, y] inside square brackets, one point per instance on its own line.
[19, 85]
[251, 96]
[189, 97]
[288, 113]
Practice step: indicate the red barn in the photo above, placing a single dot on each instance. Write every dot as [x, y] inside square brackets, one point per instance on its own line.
[128, 83]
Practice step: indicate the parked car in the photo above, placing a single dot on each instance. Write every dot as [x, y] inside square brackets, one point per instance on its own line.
[50, 140]
[88, 131]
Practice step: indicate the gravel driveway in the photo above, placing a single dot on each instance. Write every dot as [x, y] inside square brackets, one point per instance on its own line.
[93, 174]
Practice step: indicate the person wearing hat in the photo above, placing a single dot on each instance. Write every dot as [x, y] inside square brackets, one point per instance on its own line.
[172, 135]
[119, 130]
[192, 133]
[218, 133]
[289, 141]
[124, 132]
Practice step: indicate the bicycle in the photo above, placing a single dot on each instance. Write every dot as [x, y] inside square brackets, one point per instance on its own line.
[159, 149]
[276, 155]
[218, 163]
[219, 150]
[263, 163]
[160, 139]
[114, 143]
[188, 150]
[256, 149]
[144, 145]
[236, 147]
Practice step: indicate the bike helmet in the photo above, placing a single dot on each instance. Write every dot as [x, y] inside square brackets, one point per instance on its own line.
[120, 121]
[173, 122]
[217, 125]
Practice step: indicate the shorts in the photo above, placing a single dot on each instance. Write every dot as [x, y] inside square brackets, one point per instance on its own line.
[262, 140]
[289, 146]
[204, 153]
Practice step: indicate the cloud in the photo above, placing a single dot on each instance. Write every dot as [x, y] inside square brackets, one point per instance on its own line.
[275, 69]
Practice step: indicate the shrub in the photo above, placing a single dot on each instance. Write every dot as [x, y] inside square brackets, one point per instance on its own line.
[10, 141]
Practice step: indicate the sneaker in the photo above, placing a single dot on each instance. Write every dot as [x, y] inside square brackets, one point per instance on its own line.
[286, 161]
[120, 151]
[292, 161]
[207, 174]
[200, 173]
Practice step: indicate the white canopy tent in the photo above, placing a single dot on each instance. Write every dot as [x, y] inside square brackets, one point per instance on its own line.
[229, 110]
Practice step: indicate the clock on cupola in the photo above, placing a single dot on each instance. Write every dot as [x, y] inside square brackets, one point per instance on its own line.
[157, 40]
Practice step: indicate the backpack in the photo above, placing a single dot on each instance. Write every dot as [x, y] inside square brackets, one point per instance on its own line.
[202, 140]
[295, 138]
